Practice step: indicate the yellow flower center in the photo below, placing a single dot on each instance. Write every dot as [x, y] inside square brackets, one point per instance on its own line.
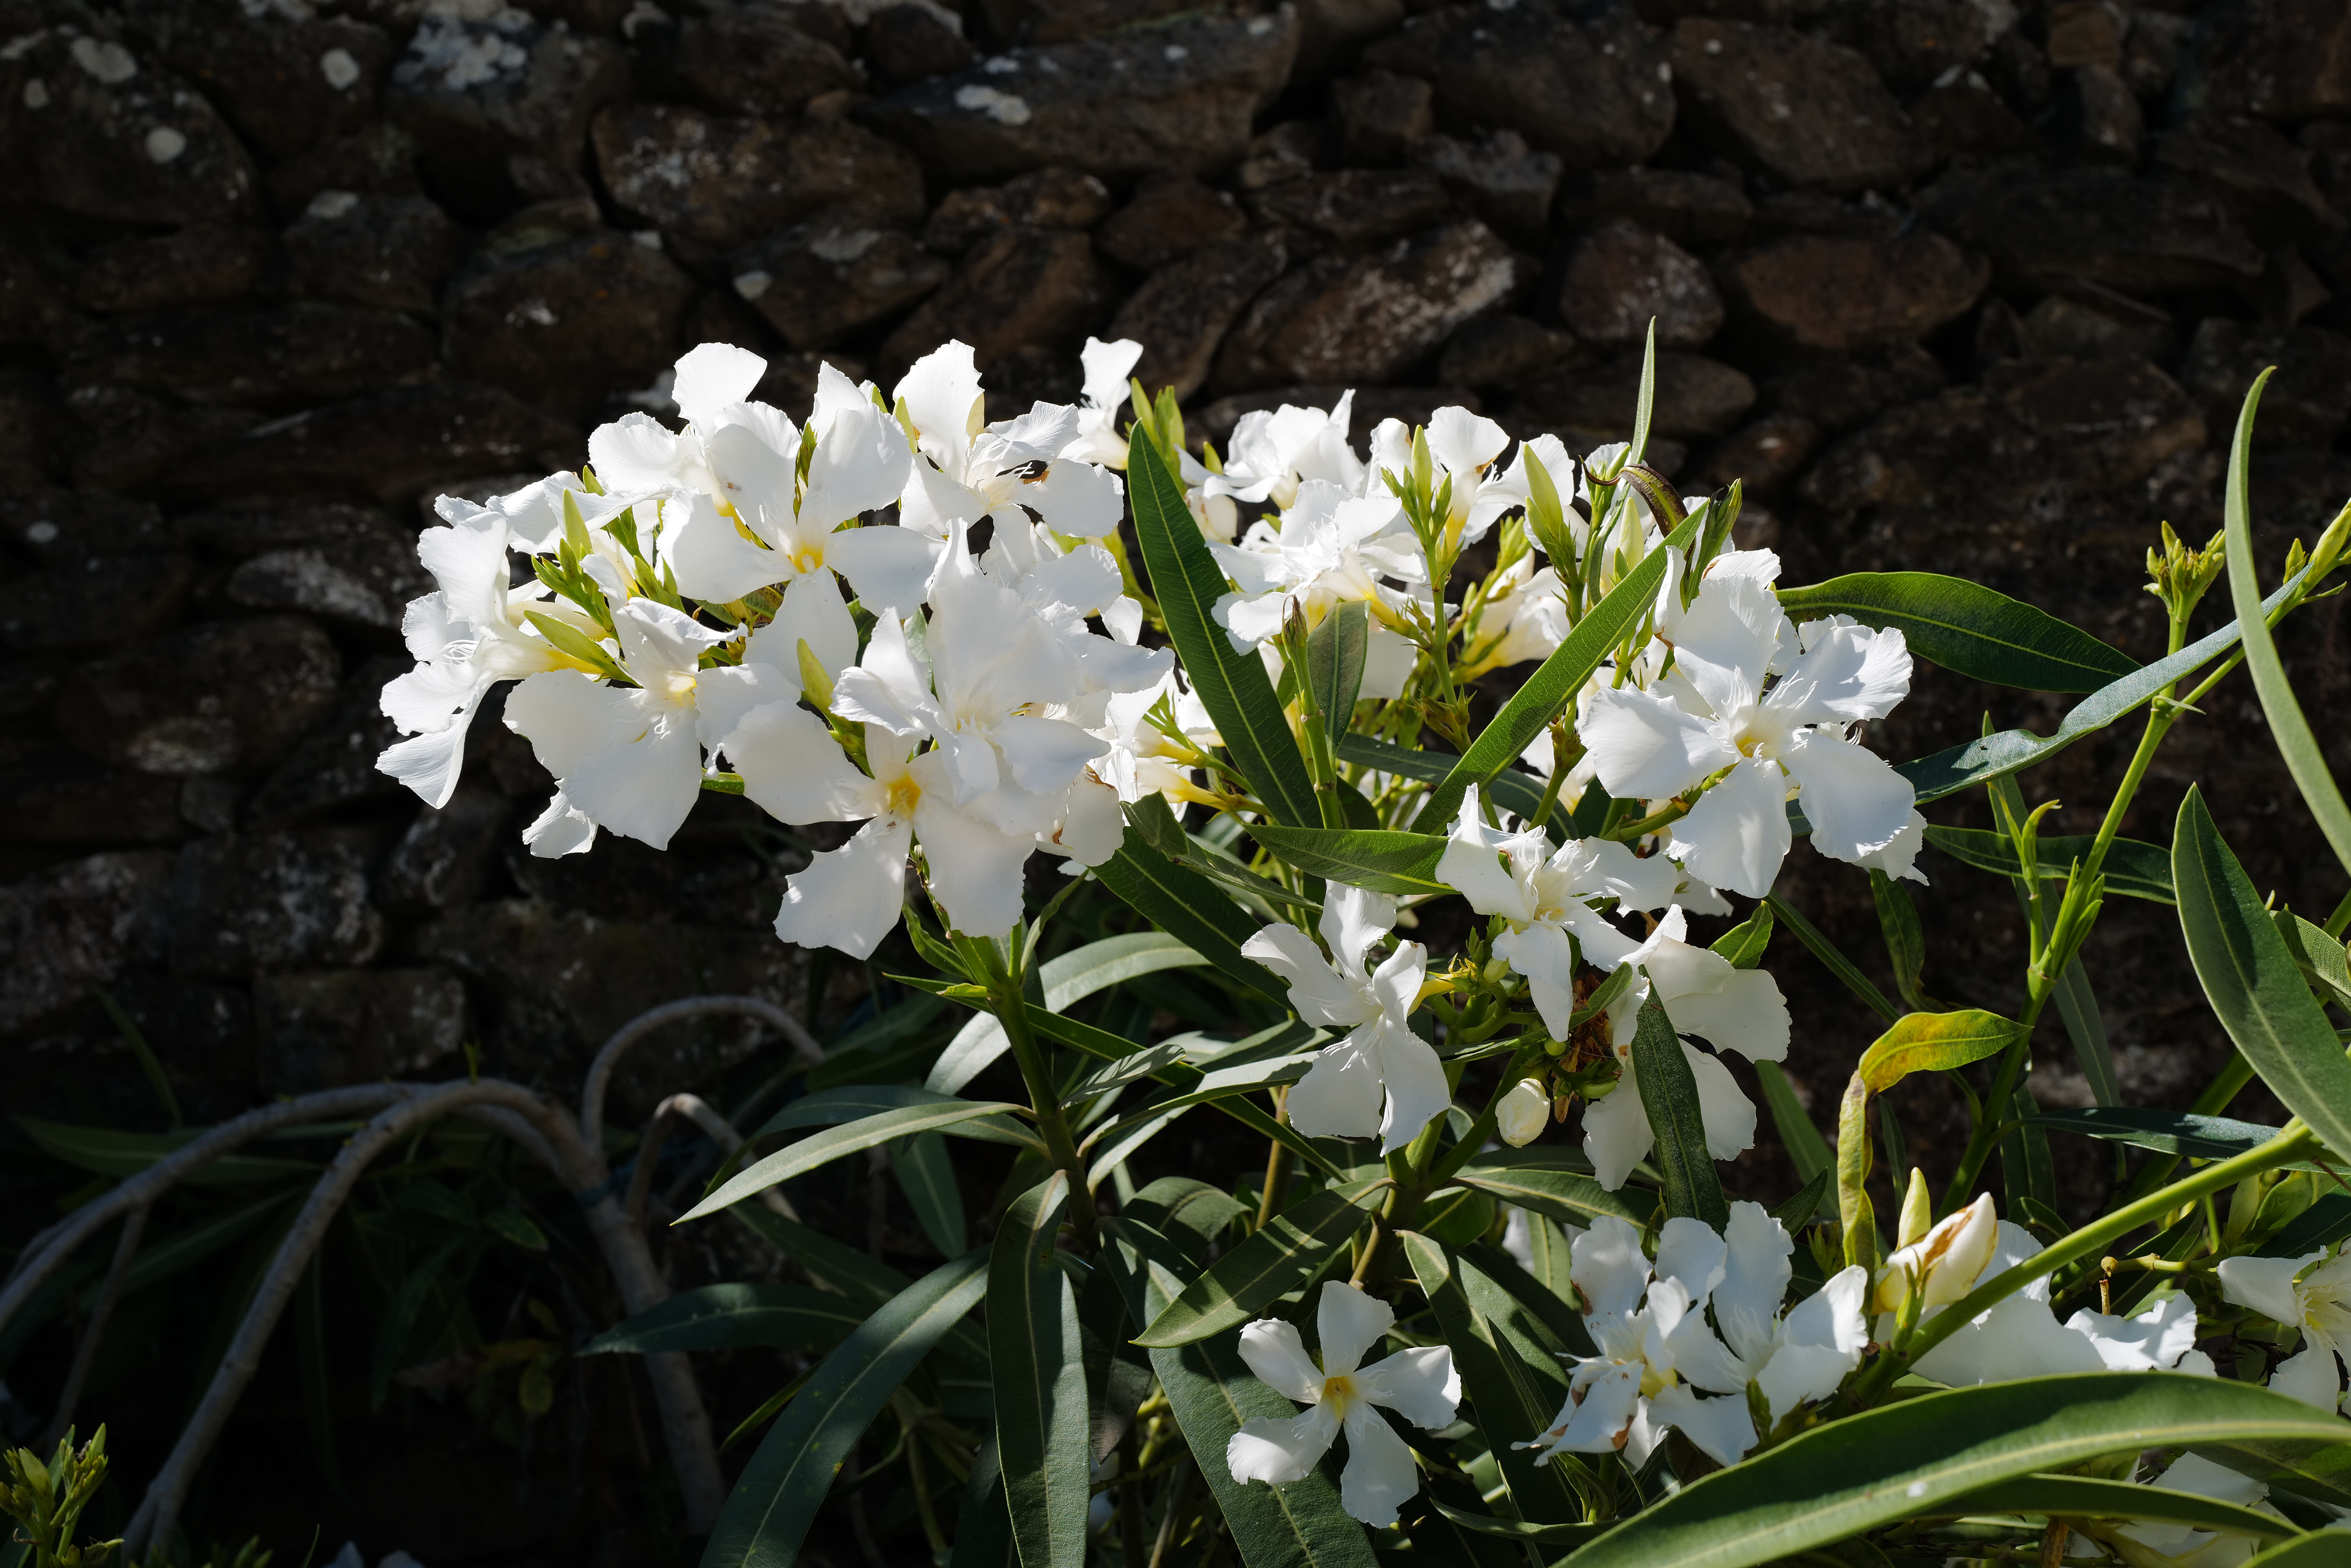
[678, 686]
[900, 798]
[1340, 1391]
[807, 558]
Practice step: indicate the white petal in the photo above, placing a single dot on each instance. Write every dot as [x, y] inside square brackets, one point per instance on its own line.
[2266, 1285]
[1419, 1385]
[1821, 1341]
[1415, 1079]
[724, 693]
[941, 392]
[1608, 1267]
[1644, 748]
[470, 566]
[811, 612]
[1899, 857]
[569, 716]
[849, 898]
[1092, 828]
[636, 454]
[1389, 658]
[1851, 674]
[1350, 1322]
[861, 463]
[1737, 834]
[1724, 644]
[1856, 802]
[711, 558]
[2153, 1341]
[975, 868]
[2017, 1338]
[1251, 620]
[1277, 1450]
[1617, 1134]
[1278, 1356]
[658, 642]
[888, 688]
[1690, 1254]
[560, 830]
[1472, 866]
[1747, 1014]
[795, 771]
[431, 763]
[1107, 366]
[1047, 754]
[1339, 1096]
[888, 567]
[1076, 499]
[1380, 1477]
[1543, 955]
[1724, 1108]
[1755, 1277]
[714, 376]
[1720, 1428]
[1597, 1425]
[935, 506]
[643, 789]
[1321, 996]
[2312, 1378]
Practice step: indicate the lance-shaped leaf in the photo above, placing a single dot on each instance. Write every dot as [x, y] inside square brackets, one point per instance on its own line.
[1334, 663]
[926, 1175]
[2252, 982]
[735, 1316]
[768, 1513]
[2313, 1466]
[1997, 756]
[1038, 1366]
[2086, 1496]
[1553, 685]
[1287, 1250]
[1230, 684]
[1511, 789]
[1071, 977]
[2167, 1132]
[1518, 1529]
[1909, 1459]
[1807, 1150]
[1555, 1182]
[2322, 960]
[1744, 944]
[1381, 859]
[1213, 1394]
[825, 1147]
[2318, 1551]
[1152, 817]
[1817, 942]
[2288, 728]
[1934, 1042]
[1511, 1406]
[854, 1101]
[1670, 1095]
[1187, 908]
[1967, 628]
[2133, 867]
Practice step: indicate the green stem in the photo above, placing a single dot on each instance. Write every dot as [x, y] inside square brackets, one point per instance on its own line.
[2215, 1100]
[1277, 1165]
[1011, 1009]
[1481, 1129]
[2291, 1144]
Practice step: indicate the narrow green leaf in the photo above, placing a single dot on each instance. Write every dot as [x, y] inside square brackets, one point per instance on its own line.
[1927, 1042]
[734, 1316]
[1289, 1249]
[868, 1283]
[1554, 684]
[1798, 1211]
[1807, 1150]
[2315, 1551]
[1908, 1460]
[2085, 1497]
[1967, 628]
[1559, 1187]
[1379, 859]
[2288, 727]
[2085, 1026]
[1334, 664]
[1644, 406]
[768, 1513]
[1511, 790]
[2250, 978]
[2322, 960]
[569, 639]
[2313, 1466]
[1669, 1094]
[1905, 942]
[1231, 684]
[2133, 868]
[983, 1530]
[1511, 1408]
[1039, 1370]
[927, 1176]
[1071, 977]
[853, 1102]
[826, 1146]
[2167, 1132]
[108, 1152]
[1817, 943]
[1186, 905]
[1152, 818]
[1997, 756]
[1745, 943]
[1518, 1529]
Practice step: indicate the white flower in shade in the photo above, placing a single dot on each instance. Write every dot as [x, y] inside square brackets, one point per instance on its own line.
[2151, 1543]
[1656, 1353]
[2313, 1293]
[964, 470]
[1463, 447]
[766, 520]
[1329, 549]
[1715, 715]
[630, 757]
[1344, 1396]
[1524, 619]
[1272, 455]
[1523, 1114]
[466, 637]
[1107, 367]
[1142, 759]
[1381, 1078]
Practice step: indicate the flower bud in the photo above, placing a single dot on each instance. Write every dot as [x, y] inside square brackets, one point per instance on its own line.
[1519, 1118]
[1943, 1264]
[1918, 1210]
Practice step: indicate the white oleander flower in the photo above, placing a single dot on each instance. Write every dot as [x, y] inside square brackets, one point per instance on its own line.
[1464, 448]
[1656, 1353]
[1143, 760]
[534, 514]
[1525, 619]
[964, 470]
[2313, 1293]
[1381, 1078]
[1107, 367]
[2151, 1543]
[1272, 453]
[1715, 715]
[1344, 1396]
[638, 456]
[1329, 549]
[1946, 1261]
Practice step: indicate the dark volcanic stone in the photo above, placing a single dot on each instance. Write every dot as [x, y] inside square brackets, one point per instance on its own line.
[102, 132]
[819, 281]
[286, 355]
[1913, 43]
[1370, 318]
[1838, 394]
[749, 58]
[2101, 117]
[1180, 97]
[1021, 288]
[232, 697]
[51, 796]
[1504, 185]
[321, 1030]
[1695, 397]
[57, 527]
[721, 182]
[1331, 33]
[2306, 403]
[1595, 94]
[387, 448]
[500, 107]
[332, 769]
[1168, 216]
[1048, 198]
[1504, 351]
[447, 854]
[243, 903]
[94, 603]
[1965, 119]
[73, 926]
[1688, 208]
[379, 160]
[199, 265]
[1765, 457]
[1381, 115]
[1805, 110]
[2282, 60]
[2134, 236]
[2063, 328]
[2263, 177]
[1289, 151]
[566, 324]
[1620, 276]
[1826, 294]
[362, 576]
[389, 252]
[285, 84]
[1062, 21]
[1182, 311]
[906, 44]
[1354, 206]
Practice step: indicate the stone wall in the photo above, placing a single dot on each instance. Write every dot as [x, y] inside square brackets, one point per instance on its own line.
[1952, 283]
